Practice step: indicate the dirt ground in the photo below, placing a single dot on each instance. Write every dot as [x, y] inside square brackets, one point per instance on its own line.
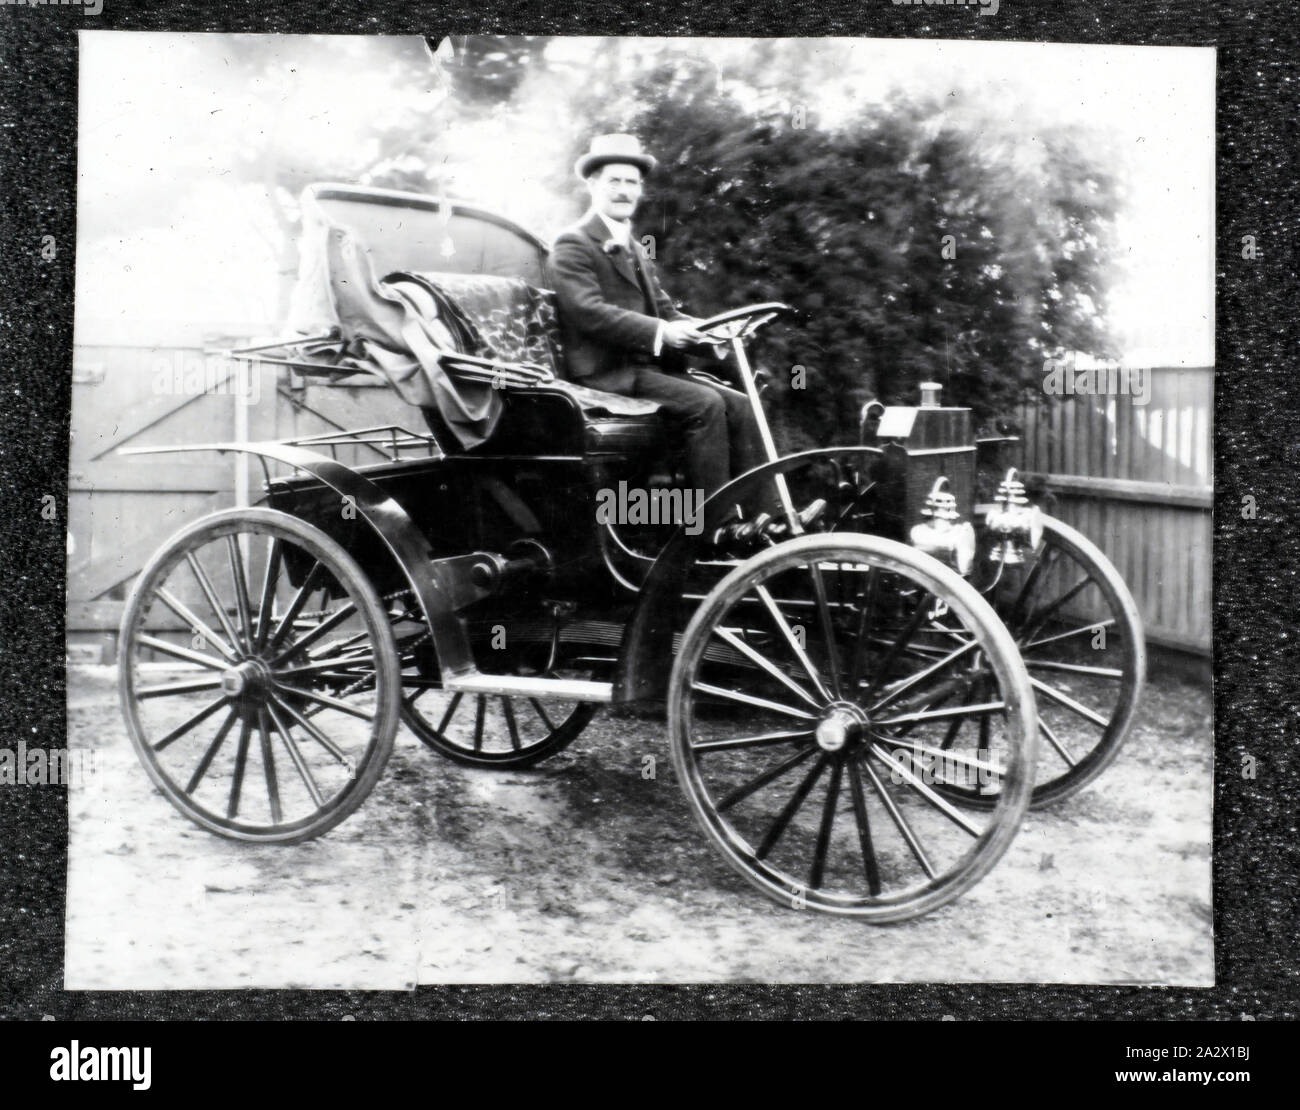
[584, 870]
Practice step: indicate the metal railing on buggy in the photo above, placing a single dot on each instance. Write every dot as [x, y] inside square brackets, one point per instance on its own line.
[456, 363]
[321, 357]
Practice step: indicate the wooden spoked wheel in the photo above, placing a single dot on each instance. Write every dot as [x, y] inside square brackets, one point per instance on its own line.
[810, 708]
[491, 730]
[1080, 635]
[485, 730]
[258, 677]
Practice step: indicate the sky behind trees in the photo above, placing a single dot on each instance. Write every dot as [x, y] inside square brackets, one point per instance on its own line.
[193, 148]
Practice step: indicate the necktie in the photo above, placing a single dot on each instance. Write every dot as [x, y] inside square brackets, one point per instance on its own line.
[643, 279]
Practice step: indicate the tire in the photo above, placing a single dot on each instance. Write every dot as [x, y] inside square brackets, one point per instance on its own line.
[1086, 659]
[507, 731]
[308, 661]
[860, 701]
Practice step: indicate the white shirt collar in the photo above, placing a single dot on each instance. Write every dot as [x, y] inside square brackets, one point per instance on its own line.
[620, 232]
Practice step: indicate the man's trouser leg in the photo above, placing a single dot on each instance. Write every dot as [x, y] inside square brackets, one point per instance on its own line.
[747, 452]
[696, 409]
[746, 443]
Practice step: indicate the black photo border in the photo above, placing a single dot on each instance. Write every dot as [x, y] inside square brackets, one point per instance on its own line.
[1256, 452]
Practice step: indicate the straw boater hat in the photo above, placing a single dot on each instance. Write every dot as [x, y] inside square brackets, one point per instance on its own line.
[624, 149]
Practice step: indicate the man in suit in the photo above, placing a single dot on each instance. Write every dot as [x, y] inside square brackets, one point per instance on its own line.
[623, 334]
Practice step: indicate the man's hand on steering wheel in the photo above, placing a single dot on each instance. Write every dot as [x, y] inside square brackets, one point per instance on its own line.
[680, 334]
[739, 323]
[717, 332]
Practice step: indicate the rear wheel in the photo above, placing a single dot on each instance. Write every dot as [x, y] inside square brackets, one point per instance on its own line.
[258, 677]
[485, 730]
[1080, 635]
[811, 707]
[491, 730]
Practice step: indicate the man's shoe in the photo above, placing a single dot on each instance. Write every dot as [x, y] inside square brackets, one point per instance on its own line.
[780, 529]
[749, 530]
[740, 537]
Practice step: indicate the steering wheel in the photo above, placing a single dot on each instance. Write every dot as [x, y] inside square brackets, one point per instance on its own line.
[741, 323]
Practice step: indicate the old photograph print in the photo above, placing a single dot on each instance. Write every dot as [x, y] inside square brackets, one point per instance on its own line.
[638, 510]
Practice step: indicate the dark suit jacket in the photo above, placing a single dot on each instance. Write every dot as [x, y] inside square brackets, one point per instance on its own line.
[608, 315]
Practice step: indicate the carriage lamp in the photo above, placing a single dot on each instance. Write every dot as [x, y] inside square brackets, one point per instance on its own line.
[869, 420]
[941, 535]
[1013, 523]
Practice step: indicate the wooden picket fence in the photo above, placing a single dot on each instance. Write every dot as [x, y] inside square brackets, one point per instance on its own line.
[130, 392]
[1137, 479]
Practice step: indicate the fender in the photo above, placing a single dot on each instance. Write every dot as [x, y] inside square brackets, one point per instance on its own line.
[646, 653]
[428, 579]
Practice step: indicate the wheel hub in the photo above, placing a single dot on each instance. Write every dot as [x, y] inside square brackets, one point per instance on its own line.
[842, 723]
[248, 679]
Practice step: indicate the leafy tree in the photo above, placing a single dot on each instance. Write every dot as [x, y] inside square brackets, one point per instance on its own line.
[922, 239]
[850, 227]
[488, 69]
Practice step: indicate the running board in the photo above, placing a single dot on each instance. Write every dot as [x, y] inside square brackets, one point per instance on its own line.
[522, 686]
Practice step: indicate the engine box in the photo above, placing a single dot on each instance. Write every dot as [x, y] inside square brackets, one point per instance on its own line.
[921, 444]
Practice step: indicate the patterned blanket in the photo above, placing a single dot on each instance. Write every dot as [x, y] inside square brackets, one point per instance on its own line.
[398, 327]
[499, 318]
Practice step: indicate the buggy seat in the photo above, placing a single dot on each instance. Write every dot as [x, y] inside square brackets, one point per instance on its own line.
[511, 321]
[463, 280]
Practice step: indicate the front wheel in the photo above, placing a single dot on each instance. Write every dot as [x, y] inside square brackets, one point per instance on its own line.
[258, 677]
[814, 717]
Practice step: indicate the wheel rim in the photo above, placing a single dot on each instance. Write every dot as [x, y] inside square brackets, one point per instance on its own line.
[258, 677]
[491, 729]
[485, 730]
[810, 758]
[1081, 639]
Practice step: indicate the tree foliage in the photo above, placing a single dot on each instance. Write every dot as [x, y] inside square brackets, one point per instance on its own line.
[489, 68]
[850, 227]
[919, 238]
